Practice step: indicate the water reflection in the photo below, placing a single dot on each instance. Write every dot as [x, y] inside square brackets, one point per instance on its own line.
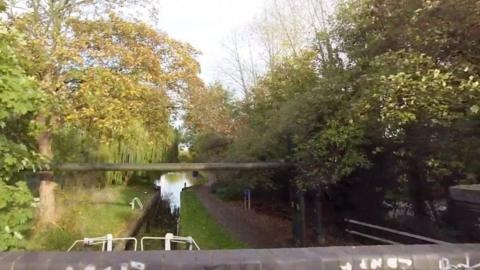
[163, 218]
[172, 184]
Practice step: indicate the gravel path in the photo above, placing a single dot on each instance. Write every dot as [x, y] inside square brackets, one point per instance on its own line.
[256, 230]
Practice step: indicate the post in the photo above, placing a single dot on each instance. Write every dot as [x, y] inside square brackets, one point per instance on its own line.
[168, 238]
[109, 242]
[244, 199]
[190, 243]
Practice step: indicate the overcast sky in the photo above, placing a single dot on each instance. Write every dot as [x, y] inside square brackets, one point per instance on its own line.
[205, 24]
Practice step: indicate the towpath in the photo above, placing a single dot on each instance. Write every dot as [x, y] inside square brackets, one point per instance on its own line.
[254, 229]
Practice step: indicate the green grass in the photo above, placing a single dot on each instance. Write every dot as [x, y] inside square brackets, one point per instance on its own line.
[197, 222]
[90, 213]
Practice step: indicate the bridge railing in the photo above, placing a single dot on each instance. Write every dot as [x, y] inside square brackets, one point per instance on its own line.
[397, 233]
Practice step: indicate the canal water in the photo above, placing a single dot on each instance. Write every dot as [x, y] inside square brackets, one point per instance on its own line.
[172, 184]
[164, 216]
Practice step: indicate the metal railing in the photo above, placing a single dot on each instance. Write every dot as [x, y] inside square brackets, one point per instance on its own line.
[139, 203]
[385, 229]
[169, 239]
[106, 242]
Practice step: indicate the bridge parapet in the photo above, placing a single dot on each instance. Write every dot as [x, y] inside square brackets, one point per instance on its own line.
[402, 257]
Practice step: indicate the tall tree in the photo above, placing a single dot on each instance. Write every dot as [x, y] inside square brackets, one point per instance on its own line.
[100, 73]
[428, 84]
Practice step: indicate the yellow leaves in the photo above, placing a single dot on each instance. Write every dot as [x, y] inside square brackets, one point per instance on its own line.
[111, 76]
[111, 103]
[138, 50]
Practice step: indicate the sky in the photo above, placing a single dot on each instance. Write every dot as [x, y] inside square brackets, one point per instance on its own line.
[206, 24]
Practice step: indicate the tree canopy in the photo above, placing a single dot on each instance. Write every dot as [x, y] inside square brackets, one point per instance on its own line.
[385, 91]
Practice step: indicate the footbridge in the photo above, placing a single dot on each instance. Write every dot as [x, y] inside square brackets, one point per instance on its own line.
[402, 257]
[174, 167]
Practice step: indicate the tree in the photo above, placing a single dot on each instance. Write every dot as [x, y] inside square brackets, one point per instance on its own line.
[104, 75]
[19, 100]
[285, 28]
[417, 104]
[428, 75]
[211, 110]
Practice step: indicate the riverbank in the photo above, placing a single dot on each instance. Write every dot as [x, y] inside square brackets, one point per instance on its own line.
[91, 213]
[198, 222]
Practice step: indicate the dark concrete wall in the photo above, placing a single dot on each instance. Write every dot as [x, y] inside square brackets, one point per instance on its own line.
[415, 257]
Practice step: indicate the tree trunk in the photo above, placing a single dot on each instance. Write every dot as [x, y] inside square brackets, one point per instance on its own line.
[47, 186]
[298, 216]
[303, 223]
[416, 170]
[319, 226]
[417, 187]
[127, 176]
[47, 198]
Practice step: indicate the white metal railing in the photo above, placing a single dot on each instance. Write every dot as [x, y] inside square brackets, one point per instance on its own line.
[170, 238]
[106, 242]
[139, 203]
[397, 232]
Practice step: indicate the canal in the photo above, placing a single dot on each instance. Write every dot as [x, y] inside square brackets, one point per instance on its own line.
[164, 216]
[172, 184]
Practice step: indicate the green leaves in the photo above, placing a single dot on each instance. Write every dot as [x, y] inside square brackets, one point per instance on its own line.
[408, 88]
[399, 85]
[18, 94]
[19, 100]
[333, 153]
[15, 214]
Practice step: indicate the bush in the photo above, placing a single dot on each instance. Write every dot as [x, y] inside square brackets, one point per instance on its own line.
[53, 239]
[229, 190]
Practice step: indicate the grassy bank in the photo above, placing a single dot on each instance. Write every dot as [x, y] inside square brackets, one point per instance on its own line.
[90, 213]
[197, 222]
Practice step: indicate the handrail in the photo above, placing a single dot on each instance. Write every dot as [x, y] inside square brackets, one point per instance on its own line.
[171, 238]
[379, 239]
[103, 240]
[419, 237]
